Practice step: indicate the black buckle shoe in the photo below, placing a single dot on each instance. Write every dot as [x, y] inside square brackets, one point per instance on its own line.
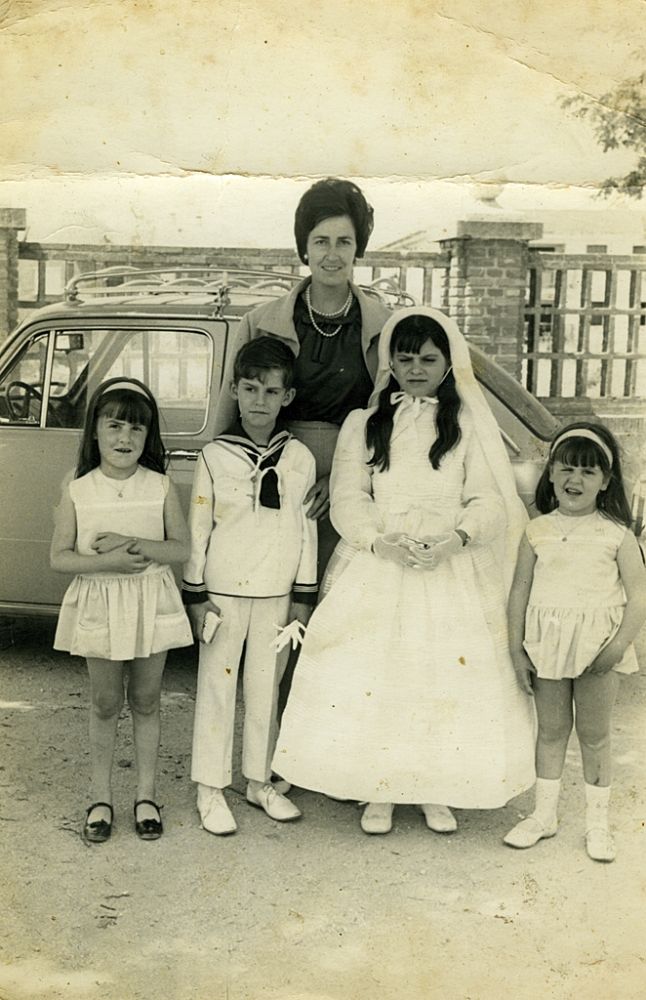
[99, 831]
[149, 829]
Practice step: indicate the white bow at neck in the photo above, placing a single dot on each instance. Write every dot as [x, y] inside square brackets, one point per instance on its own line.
[409, 408]
[407, 400]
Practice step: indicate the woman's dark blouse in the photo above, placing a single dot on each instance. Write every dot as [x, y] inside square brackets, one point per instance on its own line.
[331, 377]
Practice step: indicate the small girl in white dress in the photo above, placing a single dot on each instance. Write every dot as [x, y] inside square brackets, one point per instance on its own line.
[577, 602]
[118, 525]
[404, 691]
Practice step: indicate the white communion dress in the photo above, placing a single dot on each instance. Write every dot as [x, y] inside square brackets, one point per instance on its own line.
[116, 616]
[404, 691]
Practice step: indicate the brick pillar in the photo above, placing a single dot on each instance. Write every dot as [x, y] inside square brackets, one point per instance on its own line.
[11, 220]
[485, 285]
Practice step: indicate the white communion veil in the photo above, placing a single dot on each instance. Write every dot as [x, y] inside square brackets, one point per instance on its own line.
[484, 424]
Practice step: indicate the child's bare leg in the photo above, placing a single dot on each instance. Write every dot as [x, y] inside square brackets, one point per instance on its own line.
[106, 702]
[594, 697]
[144, 696]
[554, 712]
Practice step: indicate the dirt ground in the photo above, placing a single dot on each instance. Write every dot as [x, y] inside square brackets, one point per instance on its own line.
[308, 911]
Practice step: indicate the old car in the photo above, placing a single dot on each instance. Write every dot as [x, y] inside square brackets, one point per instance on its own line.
[173, 331]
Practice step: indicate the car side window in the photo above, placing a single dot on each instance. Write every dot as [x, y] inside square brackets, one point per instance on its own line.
[176, 364]
[21, 387]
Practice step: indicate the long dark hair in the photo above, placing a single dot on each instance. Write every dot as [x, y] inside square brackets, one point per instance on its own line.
[122, 403]
[409, 335]
[582, 452]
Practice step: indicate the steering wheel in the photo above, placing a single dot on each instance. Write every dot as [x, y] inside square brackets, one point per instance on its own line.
[31, 392]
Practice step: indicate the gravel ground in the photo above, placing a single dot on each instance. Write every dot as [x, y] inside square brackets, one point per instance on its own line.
[308, 911]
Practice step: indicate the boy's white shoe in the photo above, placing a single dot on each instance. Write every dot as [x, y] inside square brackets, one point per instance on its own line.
[275, 805]
[214, 812]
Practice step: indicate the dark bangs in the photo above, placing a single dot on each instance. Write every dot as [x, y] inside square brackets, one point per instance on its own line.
[122, 404]
[125, 404]
[408, 337]
[582, 453]
[412, 332]
[259, 373]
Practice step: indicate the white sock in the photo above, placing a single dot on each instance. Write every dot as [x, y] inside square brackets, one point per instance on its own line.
[547, 797]
[597, 798]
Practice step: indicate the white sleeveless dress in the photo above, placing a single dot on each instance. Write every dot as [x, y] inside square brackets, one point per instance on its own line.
[577, 600]
[121, 616]
[404, 691]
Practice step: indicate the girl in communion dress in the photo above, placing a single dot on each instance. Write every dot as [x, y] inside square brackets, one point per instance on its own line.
[405, 691]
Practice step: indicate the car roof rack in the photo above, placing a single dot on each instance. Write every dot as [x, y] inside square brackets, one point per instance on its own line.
[220, 284]
[130, 282]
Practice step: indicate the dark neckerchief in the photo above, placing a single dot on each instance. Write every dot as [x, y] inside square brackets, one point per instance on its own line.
[263, 457]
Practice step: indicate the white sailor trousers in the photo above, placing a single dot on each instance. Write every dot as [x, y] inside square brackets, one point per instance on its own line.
[250, 619]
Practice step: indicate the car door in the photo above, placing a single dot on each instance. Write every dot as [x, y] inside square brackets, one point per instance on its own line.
[46, 379]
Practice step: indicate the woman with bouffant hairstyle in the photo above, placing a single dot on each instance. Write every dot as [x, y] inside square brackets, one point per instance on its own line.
[331, 325]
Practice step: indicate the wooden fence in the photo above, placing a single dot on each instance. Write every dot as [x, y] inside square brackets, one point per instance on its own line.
[585, 326]
[45, 269]
[584, 332]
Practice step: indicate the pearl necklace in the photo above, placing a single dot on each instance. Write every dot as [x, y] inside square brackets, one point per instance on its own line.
[579, 522]
[343, 312]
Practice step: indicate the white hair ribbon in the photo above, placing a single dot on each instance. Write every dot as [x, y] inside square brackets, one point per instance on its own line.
[130, 386]
[583, 432]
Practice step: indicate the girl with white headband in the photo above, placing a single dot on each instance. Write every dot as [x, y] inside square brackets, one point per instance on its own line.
[577, 602]
[404, 691]
[118, 526]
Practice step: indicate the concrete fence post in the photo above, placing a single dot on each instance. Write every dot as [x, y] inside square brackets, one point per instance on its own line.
[485, 285]
[12, 220]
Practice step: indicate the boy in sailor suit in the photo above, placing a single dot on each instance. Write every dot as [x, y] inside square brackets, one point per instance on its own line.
[253, 561]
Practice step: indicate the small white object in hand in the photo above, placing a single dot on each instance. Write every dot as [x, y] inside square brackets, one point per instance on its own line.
[294, 633]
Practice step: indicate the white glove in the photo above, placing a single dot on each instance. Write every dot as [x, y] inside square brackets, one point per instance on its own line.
[396, 548]
[294, 633]
[438, 549]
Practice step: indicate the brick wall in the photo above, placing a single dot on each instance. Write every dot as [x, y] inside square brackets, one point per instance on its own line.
[485, 285]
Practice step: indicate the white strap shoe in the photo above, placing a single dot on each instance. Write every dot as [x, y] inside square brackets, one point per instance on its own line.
[377, 817]
[440, 819]
[275, 805]
[214, 812]
[600, 844]
[528, 832]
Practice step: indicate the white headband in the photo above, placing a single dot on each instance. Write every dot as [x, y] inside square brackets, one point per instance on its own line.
[583, 432]
[130, 386]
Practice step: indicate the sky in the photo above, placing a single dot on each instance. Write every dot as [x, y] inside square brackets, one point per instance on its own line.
[248, 211]
[196, 122]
